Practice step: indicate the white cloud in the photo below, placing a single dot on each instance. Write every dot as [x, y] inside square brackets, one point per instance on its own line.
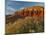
[21, 8]
[39, 4]
[10, 10]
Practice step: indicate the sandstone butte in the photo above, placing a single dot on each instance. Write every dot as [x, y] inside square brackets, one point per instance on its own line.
[12, 24]
[27, 11]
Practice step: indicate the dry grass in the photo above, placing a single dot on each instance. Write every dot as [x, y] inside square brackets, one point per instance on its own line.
[29, 24]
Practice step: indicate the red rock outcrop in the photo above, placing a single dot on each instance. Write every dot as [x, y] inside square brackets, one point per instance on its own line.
[28, 11]
[31, 11]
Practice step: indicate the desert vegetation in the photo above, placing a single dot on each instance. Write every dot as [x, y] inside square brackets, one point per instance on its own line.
[28, 20]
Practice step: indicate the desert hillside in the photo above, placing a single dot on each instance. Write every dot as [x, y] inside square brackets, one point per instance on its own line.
[28, 11]
[29, 19]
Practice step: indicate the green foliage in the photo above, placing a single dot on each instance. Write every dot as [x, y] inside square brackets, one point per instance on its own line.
[26, 25]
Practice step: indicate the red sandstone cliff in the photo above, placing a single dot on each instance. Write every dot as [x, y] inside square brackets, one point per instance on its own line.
[28, 11]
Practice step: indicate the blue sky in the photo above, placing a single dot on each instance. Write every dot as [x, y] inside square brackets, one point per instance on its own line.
[12, 6]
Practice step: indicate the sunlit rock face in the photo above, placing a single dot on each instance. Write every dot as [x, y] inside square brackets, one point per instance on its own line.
[31, 11]
[28, 20]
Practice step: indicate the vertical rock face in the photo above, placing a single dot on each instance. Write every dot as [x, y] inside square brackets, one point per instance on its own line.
[28, 11]
[31, 11]
[30, 19]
